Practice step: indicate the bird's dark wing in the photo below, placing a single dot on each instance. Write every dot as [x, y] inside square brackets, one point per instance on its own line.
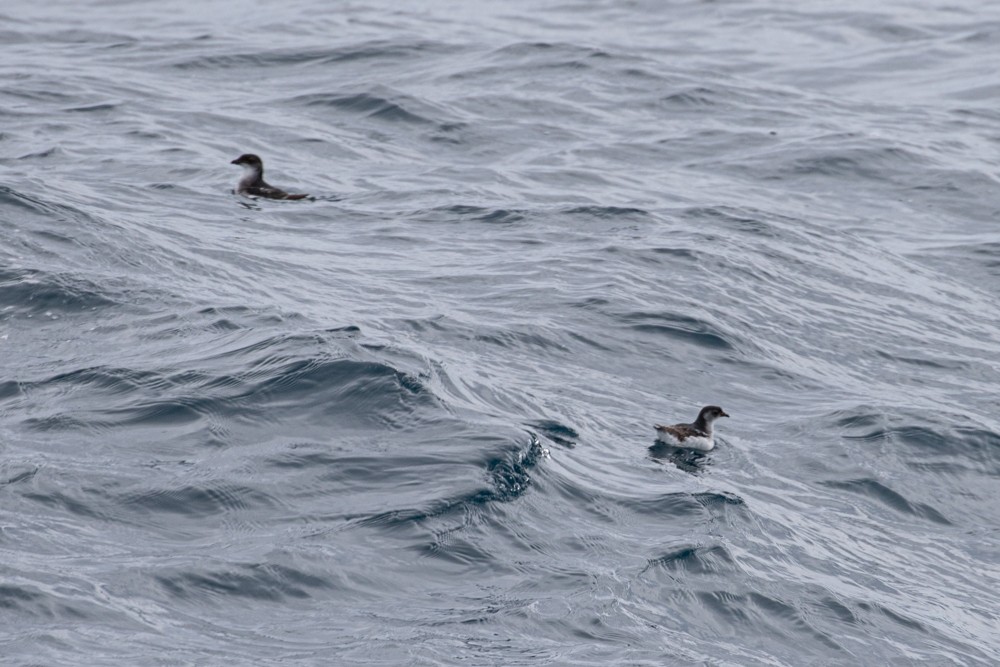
[266, 191]
[262, 189]
[680, 431]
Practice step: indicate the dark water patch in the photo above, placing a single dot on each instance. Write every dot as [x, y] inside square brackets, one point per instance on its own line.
[502, 216]
[151, 135]
[370, 105]
[833, 158]
[925, 362]
[648, 75]
[894, 616]
[548, 54]
[833, 608]
[347, 331]
[276, 379]
[50, 235]
[787, 614]
[328, 468]
[979, 262]
[196, 501]
[734, 219]
[695, 97]
[408, 517]
[553, 431]
[686, 504]
[110, 379]
[870, 164]
[10, 389]
[363, 385]
[703, 95]
[89, 37]
[43, 96]
[944, 468]
[264, 582]
[93, 108]
[858, 419]
[888, 31]
[679, 253]
[515, 340]
[64, 423]
[435, 324]
[222, 320]
[223, 324]
[976, 439]
[18, 477]
[75, 505]
[983, 253]
[759, 613]
[679, 327]
[301, 457]
[508, 478]
[730, 607]
[85, 391]
[12, 597]
[688, 460]
[37, 215]
[20, 602]
[874, 489]
[596, 303]
[451, 547]
[967, 445]
[986, 34]
[464, 212]
[165, 412]
[44, 154]
[608, 212]
[388, 50]
[453, 126]
[953, 438]
[590, 342]
[718, 499]
[695, 560]
[30, 292]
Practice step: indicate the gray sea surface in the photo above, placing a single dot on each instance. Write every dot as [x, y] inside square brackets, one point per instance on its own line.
[409, 421]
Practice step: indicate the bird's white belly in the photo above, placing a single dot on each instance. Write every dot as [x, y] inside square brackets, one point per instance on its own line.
[700, 443]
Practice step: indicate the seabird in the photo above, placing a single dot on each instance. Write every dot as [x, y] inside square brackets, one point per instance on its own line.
[692, 436]
[252, 184]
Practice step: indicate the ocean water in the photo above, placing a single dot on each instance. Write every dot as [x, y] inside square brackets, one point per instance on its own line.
[408, 422]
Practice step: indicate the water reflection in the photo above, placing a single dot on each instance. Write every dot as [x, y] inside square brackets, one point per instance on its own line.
[688, 460]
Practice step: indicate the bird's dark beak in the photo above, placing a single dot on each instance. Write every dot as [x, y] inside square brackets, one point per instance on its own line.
[723, 414]
[236, 161]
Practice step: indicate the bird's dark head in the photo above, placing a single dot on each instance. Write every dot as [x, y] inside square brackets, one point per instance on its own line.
[710, 413]
[249, 160]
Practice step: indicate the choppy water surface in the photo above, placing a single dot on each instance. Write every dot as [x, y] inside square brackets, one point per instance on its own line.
[408, 423]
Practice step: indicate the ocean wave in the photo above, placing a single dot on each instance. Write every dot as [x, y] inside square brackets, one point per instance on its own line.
[508, 477]
[262, 582]
[679, 327]
[368, 105]
[273, 388]
[282, 58]
[28, 292]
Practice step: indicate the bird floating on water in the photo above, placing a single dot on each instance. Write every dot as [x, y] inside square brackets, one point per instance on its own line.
[697, 435]
[253, 185]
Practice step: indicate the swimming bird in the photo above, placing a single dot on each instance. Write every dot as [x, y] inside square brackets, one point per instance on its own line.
[252, 184]
[692, 436]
